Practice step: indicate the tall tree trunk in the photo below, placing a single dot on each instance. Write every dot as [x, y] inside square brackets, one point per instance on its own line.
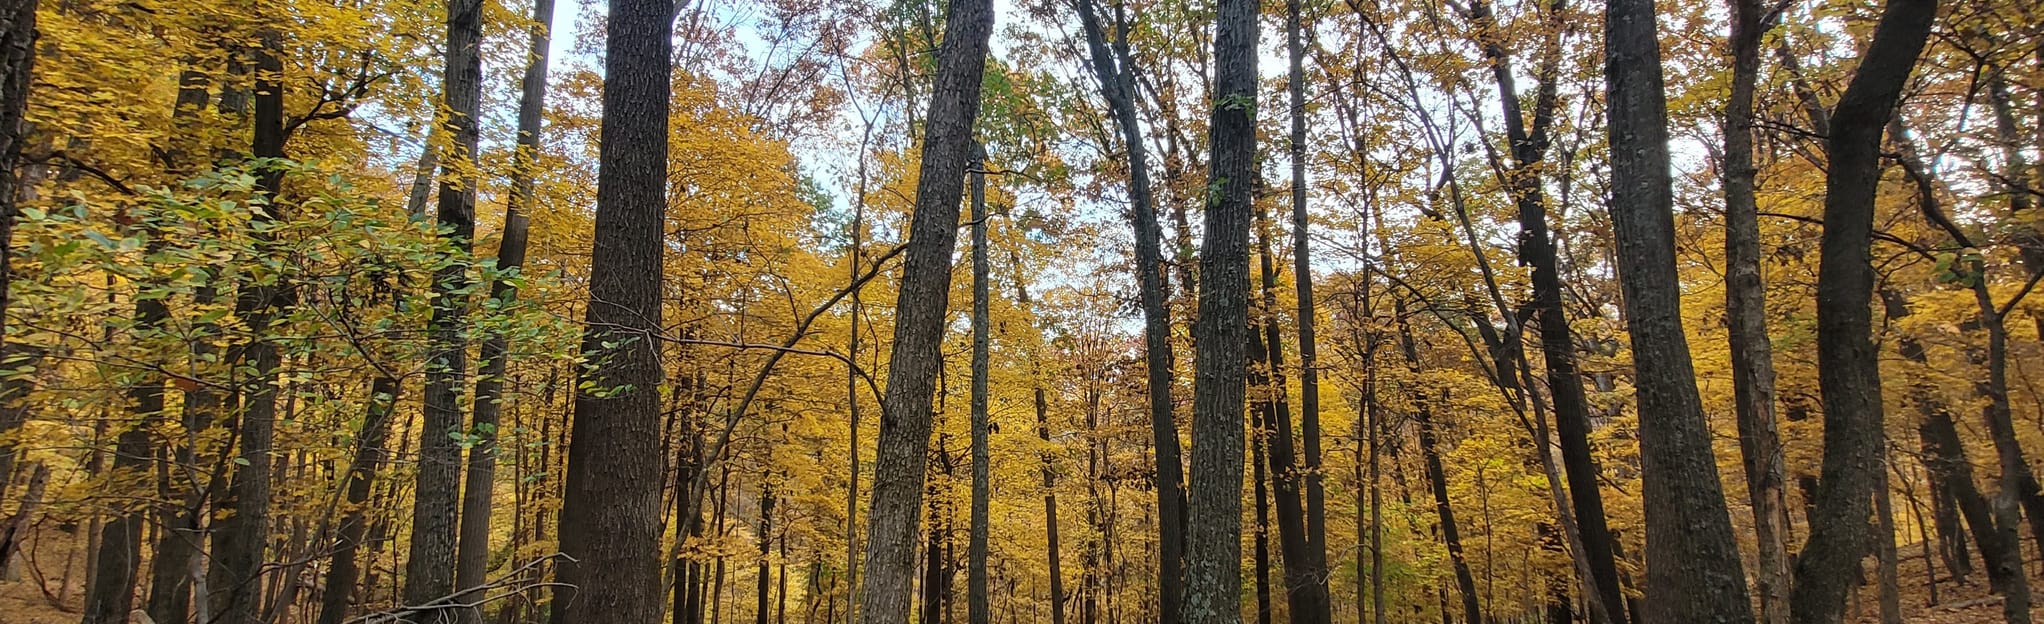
[1746, 322]
[1437, 479]
[1042, 404]
[1536, 250]
[610, 515]
[977, 611]
[1213, 554]
[473, 548]
[766, 541]
[1259, 465]
[17, 60]
[1849, 368]
[429, 570]
[117, 563]
[1305, 581]
[1309, 353]
[916, 356]
[240, 538]
[1693, 568]
[1117, 88]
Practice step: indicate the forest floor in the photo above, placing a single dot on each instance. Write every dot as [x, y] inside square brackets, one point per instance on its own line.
[48, 586]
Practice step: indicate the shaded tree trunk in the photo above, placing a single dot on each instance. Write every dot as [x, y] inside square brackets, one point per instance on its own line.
[1213, 555]
[1849, 374]
[1693, 568]
[1437, 480]
[1117, 88]
[610, 515]
[436, 500]
[1305, 580]
[904, 442]
[977, 611]
[369, 457]
[473, 549]
[1746, 322]
[17, 62]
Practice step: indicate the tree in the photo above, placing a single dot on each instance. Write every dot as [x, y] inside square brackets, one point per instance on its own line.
[1746, 319]
[17, 62]
[473, 549]
[1849, 367]
[1117, 87]
[436, 501]
[977, 610]
[1693, 569]
[1213, 556]
[610, 513]
[904, 442]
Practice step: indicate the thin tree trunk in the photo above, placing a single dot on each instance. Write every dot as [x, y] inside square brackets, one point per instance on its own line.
[1849, 368]
[369, 457]
[1117, 87]
[916, 356]
[766, 541]
[1429, 447]
[1305, 584]
[1042, 405]
[1309, 358]
[1213, 555]
[1693, 567]
[610, 517]
[1259, 442]
[977, 611]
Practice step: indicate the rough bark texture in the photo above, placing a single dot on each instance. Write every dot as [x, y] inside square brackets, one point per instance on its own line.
[1848, 365]
[610, 515]
[239, 539]
[1213, 554]
[472, 553]
[1117, 88]
[977, 611]
[1693, 568]
[1746, 323]
[436, 500]
[904, 442]
[17, 60]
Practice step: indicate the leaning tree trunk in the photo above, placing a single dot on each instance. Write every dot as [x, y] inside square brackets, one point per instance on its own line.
[429, 570]
[473, 549]
[611, 512]
[1117, 87]
[1305, 582]
[916, 355]
[354, 526]
[1849, 375]
[1693, 568]
[1213, 555]
[1746, 320]
[1437, 478]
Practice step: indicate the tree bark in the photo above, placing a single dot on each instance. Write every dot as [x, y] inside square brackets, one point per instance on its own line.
[473, 548]
[1213, 556]
[1693, 568]
[239, 540]
[1305, 577]
[436, 500]
[369, 457]
[1437, 479]
[17, 62]
[1746, 322]
[1302, 278]
[610, 517]
[916, 357]
[977, 611]
[1849, 369]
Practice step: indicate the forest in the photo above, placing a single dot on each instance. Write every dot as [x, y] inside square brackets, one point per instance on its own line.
[1021, 312]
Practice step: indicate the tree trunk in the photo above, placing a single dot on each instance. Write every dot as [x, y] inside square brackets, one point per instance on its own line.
[1884, 542]
[916, 356]
[369, 457]
[1305, 580]
[766, 541]
[117, 563]
[473, 550]
[977, 611]
[1309, 357]
[1746, 322]
[1259, 463]
[1117, 87]
[1042, 405]
[1849, 368]
[1693, 568]
[17, 60]
[239, 539]
[1213, 555]
[1437, 479]
[429, 570]
[610, 516]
